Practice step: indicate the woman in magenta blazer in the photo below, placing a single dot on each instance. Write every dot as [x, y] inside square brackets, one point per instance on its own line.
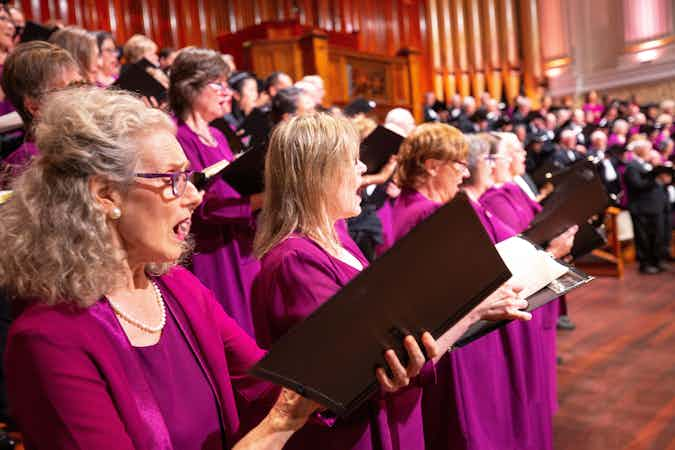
[116, 347]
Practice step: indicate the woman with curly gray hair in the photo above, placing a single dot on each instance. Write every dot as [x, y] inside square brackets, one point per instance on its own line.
[116, 346]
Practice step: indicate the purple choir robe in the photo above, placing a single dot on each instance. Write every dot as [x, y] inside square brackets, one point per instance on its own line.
[480, 400]
[513, 207]
[296, 277]
[14, 163]
[74, 380]
[223, 227]
[386, 219]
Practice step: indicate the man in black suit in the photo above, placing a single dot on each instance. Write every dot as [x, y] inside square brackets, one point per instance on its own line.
[567, 153]
[647, 204]
[605, 163]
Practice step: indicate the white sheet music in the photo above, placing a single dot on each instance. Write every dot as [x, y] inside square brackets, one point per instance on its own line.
[531, 268]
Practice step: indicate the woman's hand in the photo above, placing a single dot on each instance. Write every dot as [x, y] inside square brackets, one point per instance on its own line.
[291, 411]
[504, 304]
[402, 375]
[383, 175]
[562, 245]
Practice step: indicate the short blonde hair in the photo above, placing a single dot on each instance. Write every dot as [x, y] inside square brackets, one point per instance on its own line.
[137, 46]
[306, 158]
[58, 247]
[364, 125]
[428, 141]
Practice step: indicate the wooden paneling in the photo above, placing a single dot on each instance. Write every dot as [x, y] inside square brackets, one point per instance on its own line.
[464, 46]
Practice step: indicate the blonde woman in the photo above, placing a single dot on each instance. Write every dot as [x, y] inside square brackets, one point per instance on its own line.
[312, 174]
[82, 45]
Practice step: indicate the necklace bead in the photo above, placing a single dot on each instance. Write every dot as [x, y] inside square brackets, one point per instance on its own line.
[139, 323]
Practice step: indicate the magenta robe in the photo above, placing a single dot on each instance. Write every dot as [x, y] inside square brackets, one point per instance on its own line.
[481, 399]
[16, 162]
[75, 381]
[223, 228]
[513, 206]
[297, 276]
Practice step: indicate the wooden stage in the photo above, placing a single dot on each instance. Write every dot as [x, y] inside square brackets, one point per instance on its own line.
[616, 386]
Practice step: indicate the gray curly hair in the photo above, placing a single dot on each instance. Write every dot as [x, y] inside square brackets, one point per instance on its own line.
[58, 246]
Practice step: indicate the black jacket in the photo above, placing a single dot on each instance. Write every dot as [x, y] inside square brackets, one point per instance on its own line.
[645, 196]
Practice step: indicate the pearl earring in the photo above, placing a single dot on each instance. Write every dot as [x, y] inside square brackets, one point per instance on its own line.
[115, 213]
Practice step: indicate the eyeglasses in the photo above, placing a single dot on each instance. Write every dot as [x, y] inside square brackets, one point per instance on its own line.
[219, 86]
[179, 180]
[463, 167]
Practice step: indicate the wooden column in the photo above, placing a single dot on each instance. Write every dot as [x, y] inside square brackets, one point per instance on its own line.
[461, 56]
[413, 57]
[435, 45]
[314, 48]
[509, 38]
[532, 72]
[447, 51]
[491, 49]
[475, 41]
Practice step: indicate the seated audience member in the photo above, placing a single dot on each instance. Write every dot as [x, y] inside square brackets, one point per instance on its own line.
[430, 114]
[82, 46]
[110, 65]
[113, 337]
[312, 174]
[647, 202]
[603, 161]
[567, 152]
[223, 225]
[32, 71]
[464, 122]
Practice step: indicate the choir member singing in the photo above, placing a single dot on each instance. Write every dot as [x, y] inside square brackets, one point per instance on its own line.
[116, 346]
[31, 72]
[312, 174]
[224, 224]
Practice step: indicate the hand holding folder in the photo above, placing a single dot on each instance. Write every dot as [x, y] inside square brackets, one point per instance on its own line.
[386, 302]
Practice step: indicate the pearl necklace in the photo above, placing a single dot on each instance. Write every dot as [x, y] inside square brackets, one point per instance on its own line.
[138, 323]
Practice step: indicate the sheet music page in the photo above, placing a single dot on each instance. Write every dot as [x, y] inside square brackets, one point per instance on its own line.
[531, 268]
[215, 168]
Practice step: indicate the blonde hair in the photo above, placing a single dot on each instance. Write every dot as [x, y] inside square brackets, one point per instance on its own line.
[58, 245]
[364, 125]
[136, 47]
[306, 158]
[80, 43]
[428, 141]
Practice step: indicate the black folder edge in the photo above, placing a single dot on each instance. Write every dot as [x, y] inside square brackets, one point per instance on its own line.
[343, 410]
[374, 157]
[136, 79]
[553, 231]
[540, 298]
[253, 180]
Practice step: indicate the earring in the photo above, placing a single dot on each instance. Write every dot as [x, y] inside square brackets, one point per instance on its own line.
[115, 213]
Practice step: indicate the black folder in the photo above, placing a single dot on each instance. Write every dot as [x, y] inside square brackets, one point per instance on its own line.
[36, 32]
[136, 79]
[588, 238]
[331, 356]
[378, 147]
[579, 197]
[571, 280]
[246, 173]
[233, 140]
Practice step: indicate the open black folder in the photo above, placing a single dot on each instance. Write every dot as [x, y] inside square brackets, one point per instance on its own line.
[573, 202]
[378, 147]
[538, 290]
[429, 280]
